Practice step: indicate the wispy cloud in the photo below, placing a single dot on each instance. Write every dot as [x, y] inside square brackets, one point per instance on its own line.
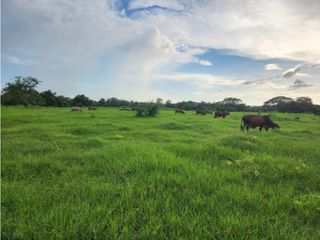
[272, 66]
[98, 43]
[291, 72]
[298, 83]
[17, 60]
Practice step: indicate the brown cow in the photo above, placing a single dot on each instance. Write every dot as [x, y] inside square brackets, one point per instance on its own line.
[253, 121]
[179, 111]
[222, 114]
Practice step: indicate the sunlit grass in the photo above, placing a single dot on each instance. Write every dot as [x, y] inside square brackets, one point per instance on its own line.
[110, 175]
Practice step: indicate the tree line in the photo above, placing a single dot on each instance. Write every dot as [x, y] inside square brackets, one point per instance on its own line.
[22, 91]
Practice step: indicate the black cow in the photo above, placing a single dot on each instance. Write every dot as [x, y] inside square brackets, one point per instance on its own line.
[222, 114]
[200, 112]
[179, 111]
[253, 121]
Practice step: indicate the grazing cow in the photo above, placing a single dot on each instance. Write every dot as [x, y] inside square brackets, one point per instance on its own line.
[253, 121]
[179, 111]
[222, 114]
[126, 109]
[92, 108]
[76, 109]
[200, 112]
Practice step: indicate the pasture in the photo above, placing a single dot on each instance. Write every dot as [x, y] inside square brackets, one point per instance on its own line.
[106, 174]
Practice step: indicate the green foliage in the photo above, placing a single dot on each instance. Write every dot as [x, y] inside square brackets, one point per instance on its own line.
[71, 176]
[147, 110]
[22, 90]
[49, 98]
[81, 100]
[285, 104]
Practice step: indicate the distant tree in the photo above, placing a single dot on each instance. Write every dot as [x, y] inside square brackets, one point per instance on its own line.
[305, 104]
[81, 100]
[22, 90]
[230, 104]
[63, 101]
[232, 101]
[114, 102]
[279, 104]
[101, 102]
[159, 101]
[49, 98]
[168, 103]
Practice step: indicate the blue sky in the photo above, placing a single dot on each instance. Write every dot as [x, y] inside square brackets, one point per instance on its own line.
[174, 49]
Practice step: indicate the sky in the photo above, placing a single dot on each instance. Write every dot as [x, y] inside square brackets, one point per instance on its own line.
[200, 50]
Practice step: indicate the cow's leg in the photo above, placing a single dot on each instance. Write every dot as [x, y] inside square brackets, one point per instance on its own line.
[247, 127]
[267, 129]
[260, 128]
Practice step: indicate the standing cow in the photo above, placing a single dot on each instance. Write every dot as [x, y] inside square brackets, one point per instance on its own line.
[179, 111]
[200, 112]
[222, 114]
[76, 109]
[253, 121]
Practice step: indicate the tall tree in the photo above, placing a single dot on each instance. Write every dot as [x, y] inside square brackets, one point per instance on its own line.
[81, 100]
[49, 98]
[22, 90]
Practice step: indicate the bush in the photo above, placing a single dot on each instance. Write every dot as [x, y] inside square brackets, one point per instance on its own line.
[147, 110]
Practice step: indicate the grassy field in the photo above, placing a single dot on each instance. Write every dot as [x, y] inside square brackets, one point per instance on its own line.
[107, 175]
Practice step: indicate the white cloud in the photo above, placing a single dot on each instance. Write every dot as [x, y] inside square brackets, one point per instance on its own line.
[202, 62]
[90, 41]
[272, 66]
[16, 60]
[291, 72]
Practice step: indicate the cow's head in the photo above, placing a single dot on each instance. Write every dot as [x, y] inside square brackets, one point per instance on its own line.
[274, 125]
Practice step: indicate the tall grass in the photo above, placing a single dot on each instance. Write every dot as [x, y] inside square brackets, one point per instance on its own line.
[110, 175]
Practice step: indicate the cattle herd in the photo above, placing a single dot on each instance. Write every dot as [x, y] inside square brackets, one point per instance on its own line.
[247, 121]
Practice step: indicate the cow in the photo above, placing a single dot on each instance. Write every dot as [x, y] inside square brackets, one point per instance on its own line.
[92, 108]
[253, 121]
[126, 109]
[200, 112]
[76, 109]
[222, 114]
[179, 111]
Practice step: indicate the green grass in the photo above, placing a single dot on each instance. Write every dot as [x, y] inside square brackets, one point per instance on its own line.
[106, 174]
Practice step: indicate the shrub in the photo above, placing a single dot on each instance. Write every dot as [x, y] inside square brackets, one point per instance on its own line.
[147, 110]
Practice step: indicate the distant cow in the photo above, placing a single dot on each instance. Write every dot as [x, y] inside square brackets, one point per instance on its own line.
[76, 109]
[200, 112]
[126, 109]
[179, 111]
[316, 113]
[253, 121]
[222, 114]
[92, 108]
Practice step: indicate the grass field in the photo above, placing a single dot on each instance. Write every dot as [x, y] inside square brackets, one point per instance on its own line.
[108, 175]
